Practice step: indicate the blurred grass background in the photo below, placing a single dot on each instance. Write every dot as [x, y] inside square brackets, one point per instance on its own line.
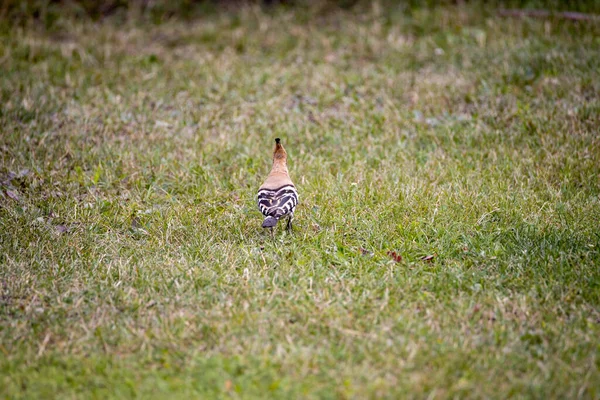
[48, 12]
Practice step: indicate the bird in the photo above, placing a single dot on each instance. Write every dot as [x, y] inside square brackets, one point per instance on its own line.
[277, 196]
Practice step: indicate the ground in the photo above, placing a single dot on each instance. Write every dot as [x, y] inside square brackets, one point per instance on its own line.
[446, 243]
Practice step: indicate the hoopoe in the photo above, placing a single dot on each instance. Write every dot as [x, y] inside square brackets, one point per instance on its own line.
[277, 197]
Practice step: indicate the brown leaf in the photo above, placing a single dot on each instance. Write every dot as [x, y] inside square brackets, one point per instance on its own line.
[395, 256]
[428, 258]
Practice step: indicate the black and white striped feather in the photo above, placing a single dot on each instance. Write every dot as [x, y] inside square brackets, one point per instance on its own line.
[277, 203]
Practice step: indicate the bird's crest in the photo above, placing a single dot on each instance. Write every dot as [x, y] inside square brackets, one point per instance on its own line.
[279, 153]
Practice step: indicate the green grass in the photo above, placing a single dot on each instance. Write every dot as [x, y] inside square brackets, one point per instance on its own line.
[132, 262]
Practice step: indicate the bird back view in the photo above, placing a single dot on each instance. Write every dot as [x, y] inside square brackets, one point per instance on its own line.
[277, 197]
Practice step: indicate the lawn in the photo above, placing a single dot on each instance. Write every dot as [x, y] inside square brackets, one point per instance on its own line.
[447, 241]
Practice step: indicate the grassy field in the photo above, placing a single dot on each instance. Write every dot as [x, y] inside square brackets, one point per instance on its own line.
[132, 262]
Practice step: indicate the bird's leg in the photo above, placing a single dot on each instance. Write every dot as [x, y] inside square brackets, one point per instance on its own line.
[272, 234]
[289, 223]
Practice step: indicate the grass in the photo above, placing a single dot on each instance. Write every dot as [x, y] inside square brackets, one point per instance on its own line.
[132, 259]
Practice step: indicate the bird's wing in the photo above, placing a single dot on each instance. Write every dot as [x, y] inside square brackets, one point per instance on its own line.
[277, 202]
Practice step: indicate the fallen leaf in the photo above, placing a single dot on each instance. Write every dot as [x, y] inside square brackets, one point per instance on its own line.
[395, 256]
[427, 258]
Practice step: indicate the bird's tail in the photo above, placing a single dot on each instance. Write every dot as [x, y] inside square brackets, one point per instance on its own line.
[269, 222]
